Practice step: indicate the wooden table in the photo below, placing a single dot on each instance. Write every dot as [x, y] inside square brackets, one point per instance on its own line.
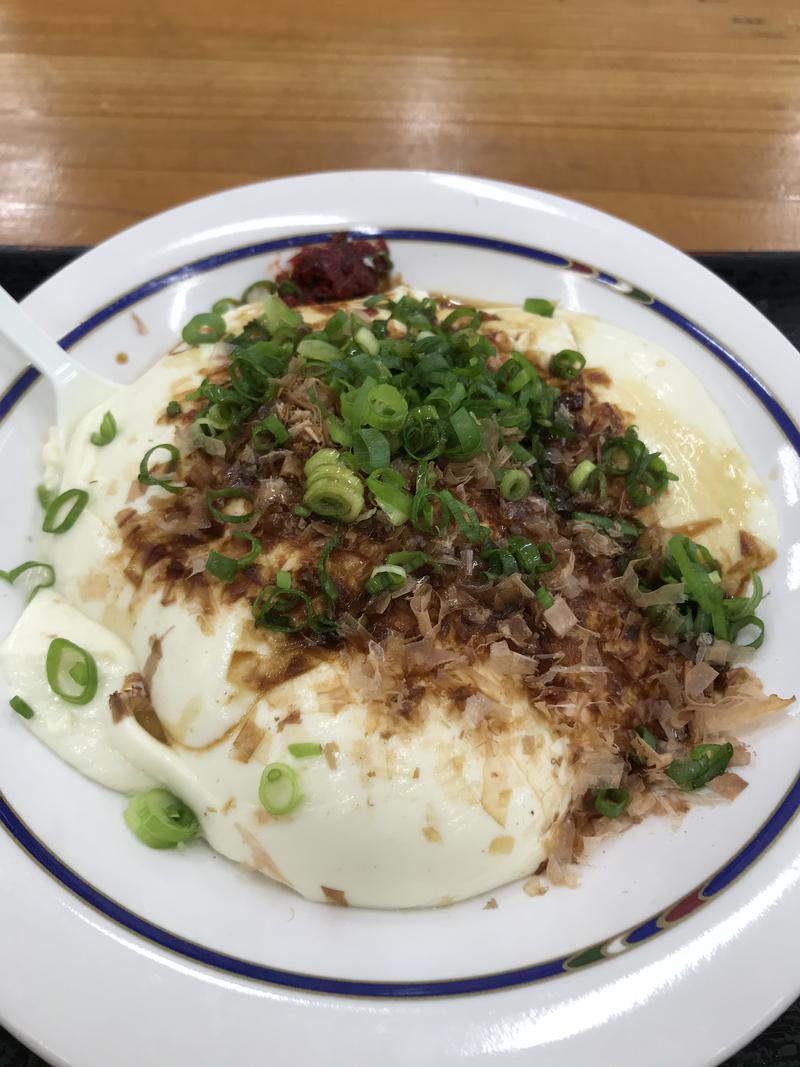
[680, 115]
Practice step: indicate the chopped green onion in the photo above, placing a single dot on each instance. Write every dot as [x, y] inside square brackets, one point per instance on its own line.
[447, 399]
[518, 374]
[324, 458]
[545, 597]
[48, 578]
[385, 408]
[499, 561]
[532, 557]
[387, 485]
[647, 736]
[521, 455]
[567, 364]
[213, 495]
[227, 303]
[305, 749]
[581, 475]
[223, 567]
[161, 820]
[300, 511]
[283, 580]
[204, 329]
[287, 611]
[464, 437]
[614, 527]
[278, 315]
[423, 433]
[279, 791]
[386, 576]
[227, 567]
[51, 523]
[146, 478]
[315, 350]
[327, 584]
[173, 409]
[258, 290]
[45, 496]
[703, 763]
[367, 339]
[410, 561]
[537, 306]
[332, 490]
[107, 431]
[694, 564]
[371, 449]
[21, 708]
[645, 473]
[611, 802]
[469, 318]
[267, 434]
[514, 485]
[464, 517]
[62, 658]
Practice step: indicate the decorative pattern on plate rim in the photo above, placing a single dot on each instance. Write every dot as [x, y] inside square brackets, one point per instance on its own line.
[608, 949]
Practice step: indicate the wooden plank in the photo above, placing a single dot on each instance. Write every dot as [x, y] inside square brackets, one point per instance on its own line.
[682, 116]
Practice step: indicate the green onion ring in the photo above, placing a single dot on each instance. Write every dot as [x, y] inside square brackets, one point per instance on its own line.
[227, 303]
[385, 408]
[203, 329]
[423, 433]
[273, 609]
[514, 485]
[279, 789]
[464, 437]
[580, 476]
[250, 295]
[545, 597]
[384, 577]
[567, 364]
[228, 494]
[332, 490]
[611, 802]
[387, 485]
[107, 432]
[459, 314]
[160, 820]
[49, 578]
[411, 561]
[269, 433]
[227, 567]
[60, 652]
[371, 449]
[146, 478]
[704, 763]
[50, 524]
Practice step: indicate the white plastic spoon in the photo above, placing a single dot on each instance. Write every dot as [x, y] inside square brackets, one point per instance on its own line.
[77, 389]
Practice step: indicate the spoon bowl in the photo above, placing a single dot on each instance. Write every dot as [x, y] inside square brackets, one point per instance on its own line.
[77, 389]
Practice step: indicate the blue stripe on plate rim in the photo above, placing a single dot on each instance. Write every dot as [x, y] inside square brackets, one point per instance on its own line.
[611, 947]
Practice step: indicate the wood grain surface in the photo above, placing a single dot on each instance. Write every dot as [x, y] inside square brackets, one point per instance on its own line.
[682, 116]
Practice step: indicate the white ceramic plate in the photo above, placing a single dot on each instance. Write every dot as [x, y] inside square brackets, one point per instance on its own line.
[678, 946]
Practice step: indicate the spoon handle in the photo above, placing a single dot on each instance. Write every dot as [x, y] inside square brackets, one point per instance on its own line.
[77, 389]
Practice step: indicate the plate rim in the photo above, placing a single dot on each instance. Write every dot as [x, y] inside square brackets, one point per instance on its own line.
[597, 217]
[662, 921]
